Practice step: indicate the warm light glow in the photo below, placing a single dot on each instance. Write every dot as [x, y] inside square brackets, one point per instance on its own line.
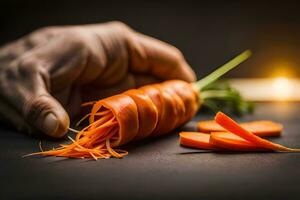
[282, 88]
[282, 69]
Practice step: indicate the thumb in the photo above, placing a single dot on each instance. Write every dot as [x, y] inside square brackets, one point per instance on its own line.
[45, 113]
[25, 87]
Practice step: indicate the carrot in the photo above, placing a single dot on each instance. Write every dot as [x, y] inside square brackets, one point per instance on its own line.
[196, 140]
[233, 127]
[149, 111]
[229, 141]
[259, 128]
[264, 128]
[209, 126]
[219, 141]
[135, 114]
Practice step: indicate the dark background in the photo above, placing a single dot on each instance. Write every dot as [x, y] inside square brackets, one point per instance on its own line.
[208, 33]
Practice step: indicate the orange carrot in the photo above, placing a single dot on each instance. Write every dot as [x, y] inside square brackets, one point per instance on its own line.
[209, 126]
[149, 111]
[229, 141]
[196, 140]
[263, 128]
[233, 127]
[259, 128]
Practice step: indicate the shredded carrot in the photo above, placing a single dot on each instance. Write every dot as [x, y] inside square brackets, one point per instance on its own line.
[40, 146]
[90, 103]
[82, 119]
[91, 142]
[111, 151]
[103, 113]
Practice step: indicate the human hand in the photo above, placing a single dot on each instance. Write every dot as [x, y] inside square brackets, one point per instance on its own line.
[46, 75]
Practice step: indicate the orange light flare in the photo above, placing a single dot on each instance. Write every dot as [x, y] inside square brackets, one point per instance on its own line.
[282, 88]
[284, 85]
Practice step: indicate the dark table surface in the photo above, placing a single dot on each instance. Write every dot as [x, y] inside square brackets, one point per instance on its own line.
[157, 168]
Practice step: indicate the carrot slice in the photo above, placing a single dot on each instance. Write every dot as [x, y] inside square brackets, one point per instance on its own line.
[196, 140]
[226, 140]
[233, 127]
[209, 126]
[259, 128]
[263, 128]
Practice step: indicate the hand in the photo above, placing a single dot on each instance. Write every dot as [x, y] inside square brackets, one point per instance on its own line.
[47, 74]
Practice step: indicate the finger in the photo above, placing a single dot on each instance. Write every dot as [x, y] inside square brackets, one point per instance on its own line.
[149, 55]
[111, 50]
[125, 48]
[64, 58]
[23, 86]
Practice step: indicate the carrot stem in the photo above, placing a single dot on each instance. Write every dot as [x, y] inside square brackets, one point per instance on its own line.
[222, 70]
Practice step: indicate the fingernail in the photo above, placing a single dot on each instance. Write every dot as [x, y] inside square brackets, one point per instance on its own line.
[50, 124]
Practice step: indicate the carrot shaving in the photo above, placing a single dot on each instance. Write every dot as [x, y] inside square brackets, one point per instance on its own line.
[73, 130]
[82, 119]
[40, 146]
[94, 141]
[102, 113]
[90, 103]
[111, 151]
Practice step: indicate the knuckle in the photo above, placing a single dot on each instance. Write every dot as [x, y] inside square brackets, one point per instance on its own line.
[45, 30]
[75, 39]
[40, 36]
[120, 27]
[121, 30]
[7, 73]
[9, 78]
[119, 24]
[27, 65]
[29, 68]
[178, 56]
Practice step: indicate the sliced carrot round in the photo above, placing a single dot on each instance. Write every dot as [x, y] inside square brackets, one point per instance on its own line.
[259, 128]
[209, 126]
[195, 140]
[263, 128]
[229, 141]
